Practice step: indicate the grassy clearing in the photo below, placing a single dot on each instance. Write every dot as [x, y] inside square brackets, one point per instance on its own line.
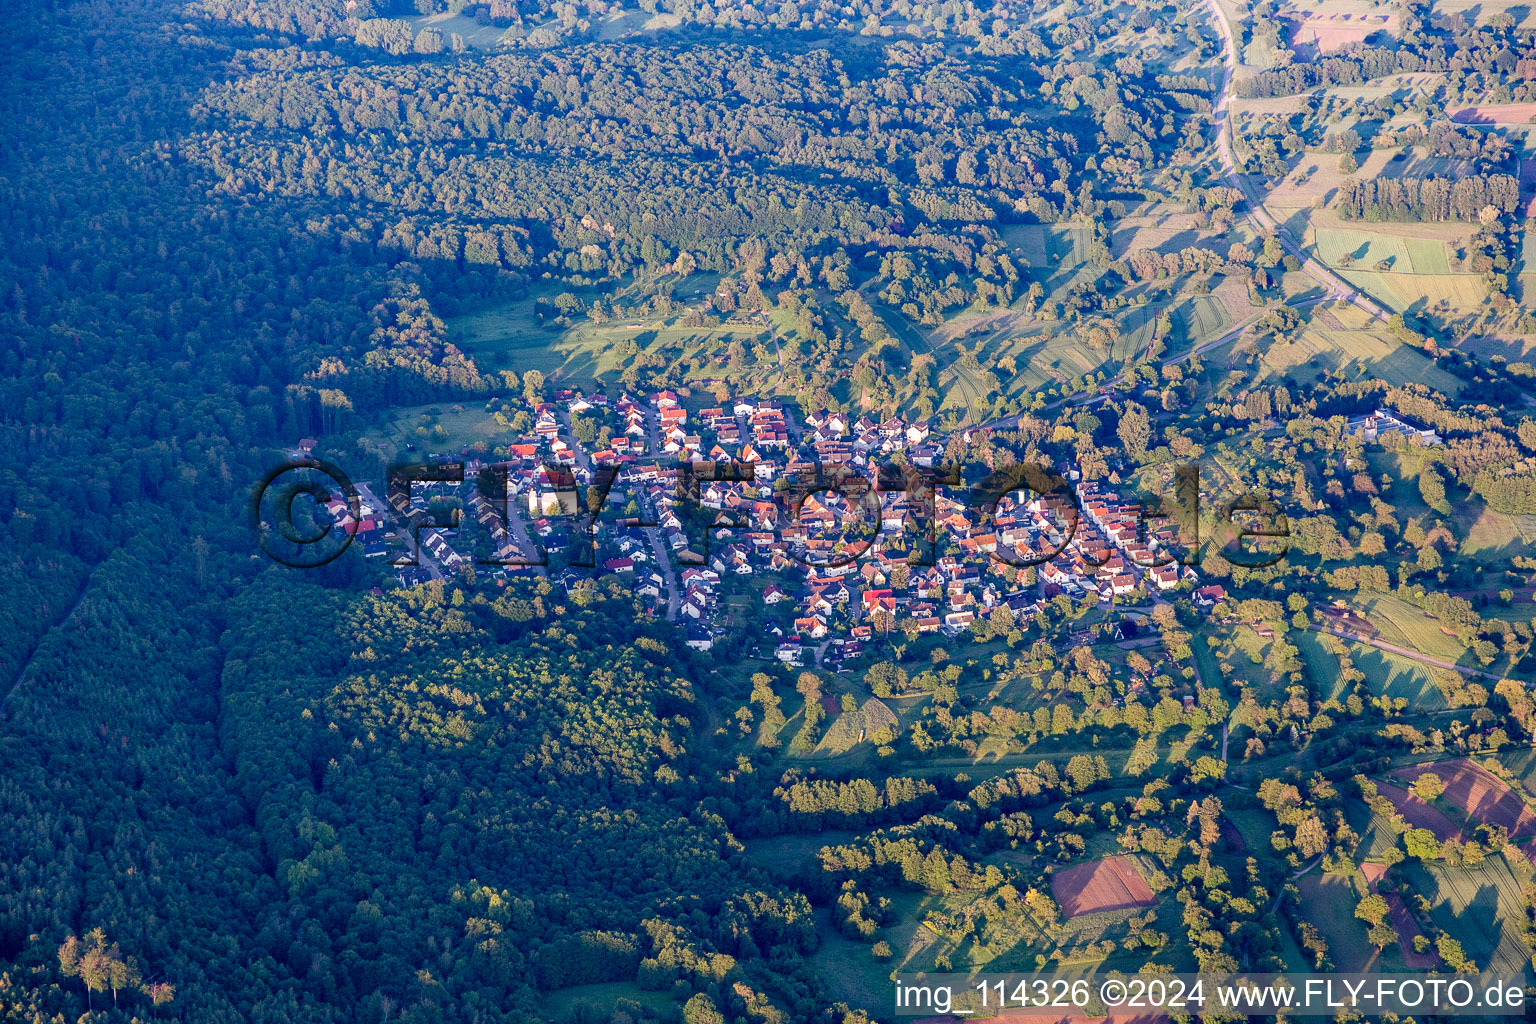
[481, 37]
[510, 336]
[1400, 291]
[1376, 836]
[441, 426]
[1477, 12]
[1202, 318]
[1405, 625]
[1488, 533]
[1254, 824]
[1049, 246]
[1329, 901]
[1522, 765]
[1322, 667]
[1397, 676]
[562, 1002]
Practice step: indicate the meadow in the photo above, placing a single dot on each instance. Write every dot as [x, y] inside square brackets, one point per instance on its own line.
[510, 336]
[1329, 901]
[1356, 354]
[1340, 247]
[440, 426]
[1480, 905]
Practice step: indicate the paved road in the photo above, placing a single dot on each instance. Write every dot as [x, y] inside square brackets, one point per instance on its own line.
[663, 558]
[1408, 652]
[519, 531]
[1256, 214]
[659, 548]
[381, 509]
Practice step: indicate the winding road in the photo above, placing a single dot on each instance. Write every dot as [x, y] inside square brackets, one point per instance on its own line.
[1256, 215]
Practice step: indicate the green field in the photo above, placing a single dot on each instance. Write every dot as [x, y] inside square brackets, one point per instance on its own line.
[1202, 318]
[510, 337]
[1481, 906]
[481, 37]
[1405, 625]
[1400, 290]
[1406, 255]
[1322, 667]
[1358, 354]
[1328, 901]
[1397, 676]
[1522, 765]
[1489, 534]
[1054, 246]
[1376, 835]
[441, 426]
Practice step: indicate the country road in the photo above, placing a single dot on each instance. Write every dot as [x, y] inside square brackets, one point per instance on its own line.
[1256, 214]
[1407, 652]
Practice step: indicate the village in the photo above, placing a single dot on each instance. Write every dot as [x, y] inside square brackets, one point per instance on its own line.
[822, 593]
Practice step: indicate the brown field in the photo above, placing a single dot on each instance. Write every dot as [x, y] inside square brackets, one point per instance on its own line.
[1099, 885]
[1495, 113]
[1319, 34]
[1418, 813]
[1402, 921]
[1481, 794]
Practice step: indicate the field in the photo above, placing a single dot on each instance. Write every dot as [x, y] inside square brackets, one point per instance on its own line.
[1324, 32]
[1495, 113]
[441, 426]
[1405, 625]
[1477, 12]
[1480, 793]
[1401, 291]
[1376, 835]
[1328, 901]
[1480, 905]
[1357, 353]
[851, 728]
[1402, 921]
[1397, 676]
[1366, 248]
[481, 37]
[511, 337]
[1317, 176]
[1417, 813]
[1101, 885]
[1057, 248]
[604, 997]
[1028, 355]
[1491, 534]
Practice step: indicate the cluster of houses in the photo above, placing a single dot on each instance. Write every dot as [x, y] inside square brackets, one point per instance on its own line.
[820, 594]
